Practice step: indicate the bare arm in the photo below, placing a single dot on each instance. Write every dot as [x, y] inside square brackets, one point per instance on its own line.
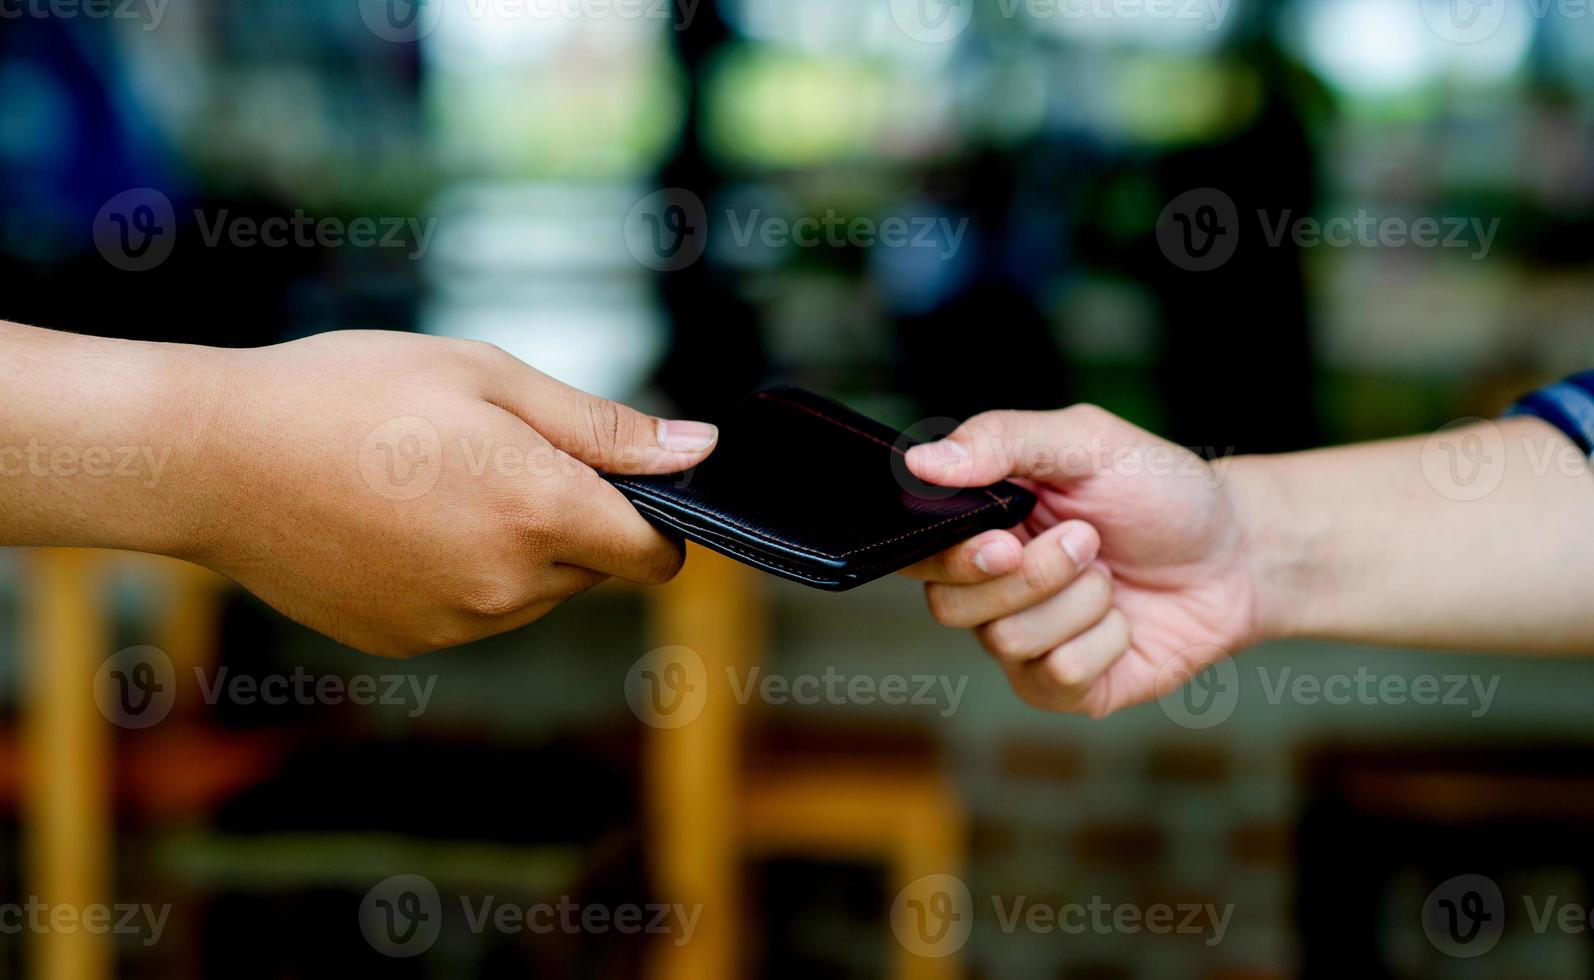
[1481, 538]
[99, 439]
[399, 493]
[1142, 564]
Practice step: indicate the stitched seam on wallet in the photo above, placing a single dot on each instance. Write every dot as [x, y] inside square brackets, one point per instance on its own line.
[755, 532]
[734, 547]
[857, 431]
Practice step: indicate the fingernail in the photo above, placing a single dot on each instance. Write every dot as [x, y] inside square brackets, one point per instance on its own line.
[1080, 544]
[947, 451]
[686, 437]
[984, 557]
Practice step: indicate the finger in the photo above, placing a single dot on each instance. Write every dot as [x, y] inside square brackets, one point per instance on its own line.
[599, 529]
[1031, 632]
[1064, 679]
[1052, 446]
[979, 559]
[603, 434]
[1051, 561]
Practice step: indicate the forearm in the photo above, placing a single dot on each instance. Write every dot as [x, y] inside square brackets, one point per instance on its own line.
[1361, 543]
[100, 439]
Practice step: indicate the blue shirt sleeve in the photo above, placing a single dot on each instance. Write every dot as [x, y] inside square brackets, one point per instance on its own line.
[1568, 405]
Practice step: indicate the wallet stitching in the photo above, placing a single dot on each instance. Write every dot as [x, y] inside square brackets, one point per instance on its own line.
[857, 431]
[732, 546]
[783, 542]
[995, 501]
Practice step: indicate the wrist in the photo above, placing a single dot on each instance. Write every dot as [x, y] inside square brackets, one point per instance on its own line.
[1283, 547]
[183, 422]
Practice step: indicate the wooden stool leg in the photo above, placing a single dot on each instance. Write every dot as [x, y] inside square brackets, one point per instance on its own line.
[932, 843]
[66, 762]
[713, 607]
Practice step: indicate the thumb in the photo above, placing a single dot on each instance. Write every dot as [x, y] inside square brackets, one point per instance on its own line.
[603, 434]
[1043, 446]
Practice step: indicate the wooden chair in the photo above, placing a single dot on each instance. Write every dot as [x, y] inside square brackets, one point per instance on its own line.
[709, 811]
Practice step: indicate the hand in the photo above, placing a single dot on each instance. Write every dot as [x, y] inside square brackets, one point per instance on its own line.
[402, 493]
[1131, 574]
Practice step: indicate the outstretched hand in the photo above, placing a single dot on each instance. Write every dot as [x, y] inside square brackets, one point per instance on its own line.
[1130, 575]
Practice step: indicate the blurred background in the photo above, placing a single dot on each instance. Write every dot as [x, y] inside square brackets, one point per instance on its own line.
[1251, 225]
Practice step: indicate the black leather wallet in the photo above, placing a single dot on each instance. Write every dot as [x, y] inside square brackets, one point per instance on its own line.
[810, 490]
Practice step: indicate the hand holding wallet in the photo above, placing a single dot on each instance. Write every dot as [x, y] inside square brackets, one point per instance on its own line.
[809, 490]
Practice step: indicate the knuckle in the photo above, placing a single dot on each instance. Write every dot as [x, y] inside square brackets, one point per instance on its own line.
[1086, 415]
[989, 428]
[1097, 589]
[661, 564]
[481, 353]
[1044, 573]
[943, 607]
[1118, 632]
[1034, 696]
[1067, 668]
[1003, 638]
[1096, 710]
[604, 424]
[492, 599]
